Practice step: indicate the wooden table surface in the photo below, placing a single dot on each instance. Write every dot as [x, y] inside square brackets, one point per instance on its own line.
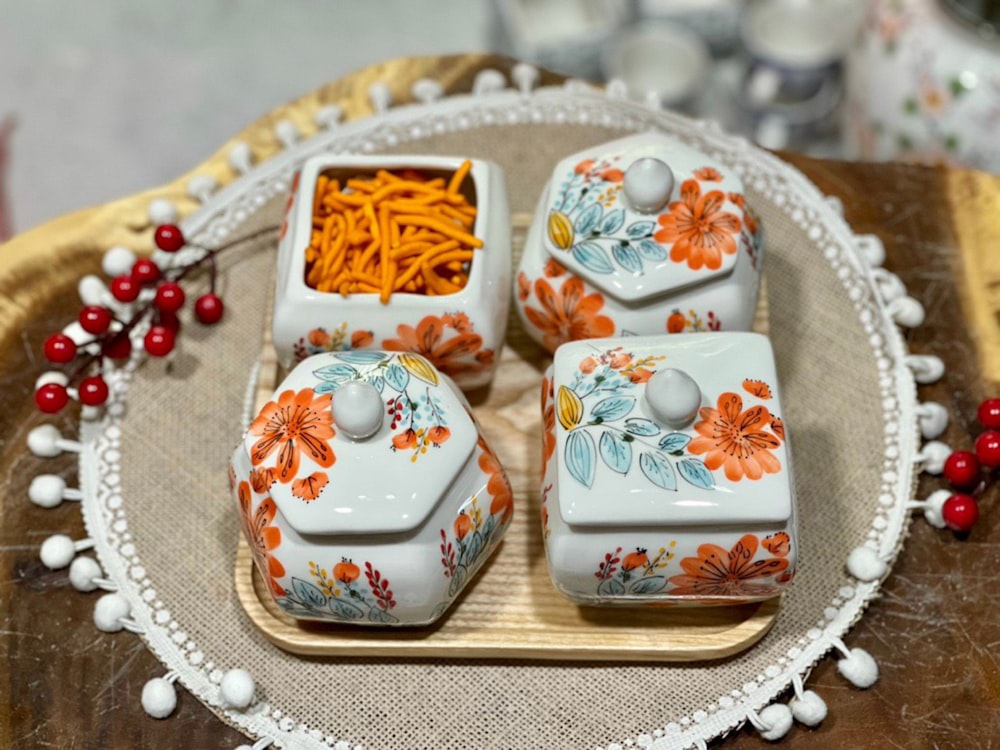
[935, 630]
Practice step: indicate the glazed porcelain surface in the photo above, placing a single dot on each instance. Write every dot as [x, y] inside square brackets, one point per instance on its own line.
[667, 471]
[643, 235]
[923, 86]
[382, 516]
[462, 334]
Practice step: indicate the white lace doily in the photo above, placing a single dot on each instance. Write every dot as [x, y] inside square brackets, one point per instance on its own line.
[878, 300]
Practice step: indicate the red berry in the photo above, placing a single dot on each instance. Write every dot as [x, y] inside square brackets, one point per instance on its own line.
[170, 321]
[118, 347]
[93, 391]
[59, 348]
[960, 512]
[159, 341]
[962, 469]
[124, 288]
[989, 413]
[169, 237]
[169, 297]
[208, 308]
[51, 398]
[95, 319]
[988, 449]
[145, 271]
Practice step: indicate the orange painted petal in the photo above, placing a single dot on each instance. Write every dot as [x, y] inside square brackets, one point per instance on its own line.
[757, 388]
[310, 487]
[540, 321]
[730, 406]
[768, 462]
[429, 332]
[288, 462]
[778, 544]
[733, 468]
[274, 567]
[269, 538]
[459, 346]
[547, 298]
[690, 192]
[701, 444]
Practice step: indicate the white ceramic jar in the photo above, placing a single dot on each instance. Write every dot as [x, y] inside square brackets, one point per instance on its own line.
[462, 333]
[642, 235]
[366, 490]
[923, 84]
[667, 475]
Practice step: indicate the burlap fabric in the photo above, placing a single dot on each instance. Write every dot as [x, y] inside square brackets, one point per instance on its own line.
[181, 426]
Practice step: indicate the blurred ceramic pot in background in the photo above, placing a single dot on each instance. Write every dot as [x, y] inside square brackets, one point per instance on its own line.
[923, 84]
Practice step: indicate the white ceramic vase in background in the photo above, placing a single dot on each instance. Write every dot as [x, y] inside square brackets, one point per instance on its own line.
[923, 86]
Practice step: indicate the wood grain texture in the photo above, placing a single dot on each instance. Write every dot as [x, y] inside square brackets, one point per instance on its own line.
[934, 631]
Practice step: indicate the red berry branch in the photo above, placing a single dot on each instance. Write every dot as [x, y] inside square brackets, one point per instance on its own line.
[964, 470]
[112, 335]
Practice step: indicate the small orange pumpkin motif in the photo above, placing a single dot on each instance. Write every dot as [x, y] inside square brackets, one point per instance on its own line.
[346, 571]
[636, 559]
[676, 321]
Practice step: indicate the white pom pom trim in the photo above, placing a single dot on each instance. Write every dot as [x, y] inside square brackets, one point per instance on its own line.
[488, 81]
[110, 611]
[59, 550]
[857, 667]
[773, 721]
[427, 90]
[865, 564]
[237, 689]
[201, 186]
[93, 291]
[871, 249]
[932, 418]
[287, 133]
[933, 456]
[162, 211]
[616, 89]
[932, 507]
[380, 95]
[807, 706]
[524, 76]
[907, 312]
[329, 117]
[159, 696]
[46, 441]
[241, 157]
[85, 575]
[49, 490]
[51, 376]
[926, 368]
[890, 286]
[117, 261]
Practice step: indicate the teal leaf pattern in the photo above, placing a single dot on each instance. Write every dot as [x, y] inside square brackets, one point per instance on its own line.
[615, 451]
[580, 457]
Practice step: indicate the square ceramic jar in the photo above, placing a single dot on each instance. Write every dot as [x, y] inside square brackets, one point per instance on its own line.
[461, 333]
[667, 474]
[640, 236]
[366, 490]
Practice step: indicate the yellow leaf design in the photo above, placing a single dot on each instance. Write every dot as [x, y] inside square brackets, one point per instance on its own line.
[569, 407]
[419, 368]
[560, 230]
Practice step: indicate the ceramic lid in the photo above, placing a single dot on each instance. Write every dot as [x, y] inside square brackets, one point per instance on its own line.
[360, 441]
[644, 216]
[670, 430]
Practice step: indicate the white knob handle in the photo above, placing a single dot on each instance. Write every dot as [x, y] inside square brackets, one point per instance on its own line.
[673, 396]
[357, 409]
[648, 184]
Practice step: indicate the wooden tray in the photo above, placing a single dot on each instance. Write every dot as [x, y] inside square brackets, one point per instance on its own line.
[512, 610]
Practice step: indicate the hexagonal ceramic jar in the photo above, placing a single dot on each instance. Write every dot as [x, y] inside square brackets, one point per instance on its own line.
[667, 475]
[462, 334]
[367, 492]
[639, 236]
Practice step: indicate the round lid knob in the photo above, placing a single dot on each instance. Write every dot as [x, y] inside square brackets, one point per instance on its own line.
[648, 184]
[357, 409]
[673, 397]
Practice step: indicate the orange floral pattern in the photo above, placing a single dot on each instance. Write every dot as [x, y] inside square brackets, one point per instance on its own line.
[701, 232]
[262, 537]
[498, 486]
[320, 340]
[308, 488]
[708, 174]
[448, 341]
[297, 423]
[569, 314]
[548, 421]
[778, 544]
[736, 440]
[717, 572]
[757, 388]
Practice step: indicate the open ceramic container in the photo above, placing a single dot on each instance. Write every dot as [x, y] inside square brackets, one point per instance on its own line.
[667, 475]
[379, 524]
[598, 261]
[461, 333]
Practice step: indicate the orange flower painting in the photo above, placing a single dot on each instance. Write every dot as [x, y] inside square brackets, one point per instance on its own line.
[569, 314]
[448, 341]
[734, 572]
[497, 486]
[262, 537]
[708, 174]
[736, 440]
[701, 232]
[297, 423]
